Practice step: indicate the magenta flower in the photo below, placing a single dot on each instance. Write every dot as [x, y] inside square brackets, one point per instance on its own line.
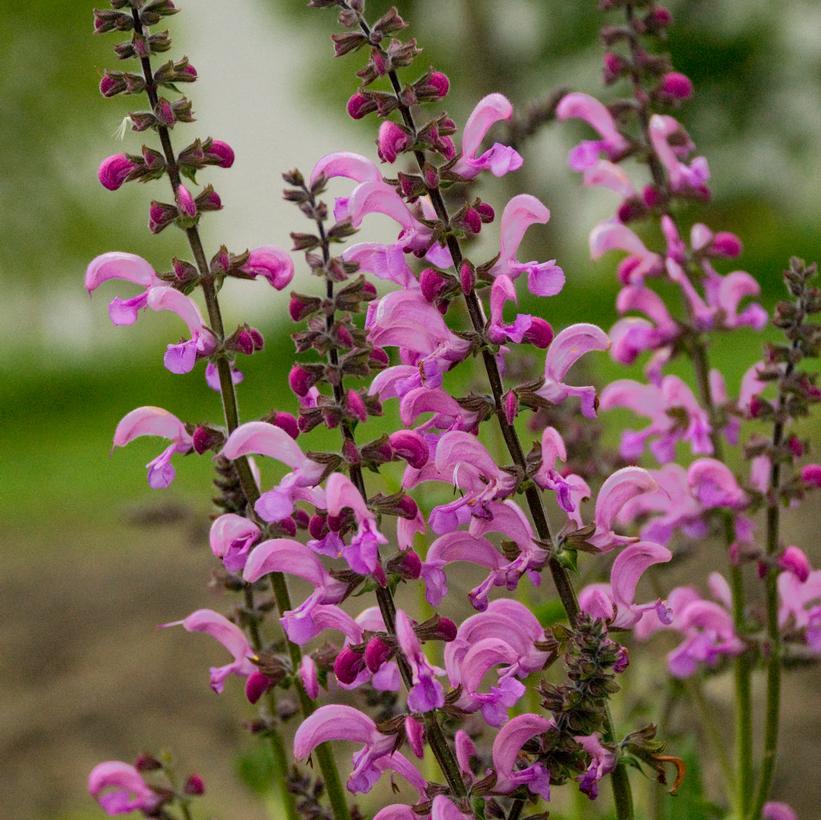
[524, 328]
[640, 262]
[274, 442]
[288, 556]
[391, 141]
[349, 165]
[618, 489]
[119, 789]
[522, 211]
[800, 606]
[602, 762]
[633, 335]
[565, 350]
[616, 601]
[611, 143]
[427, 693]
[114, 171]
[383, 261]
[362, 553]
[778, 811]
[714, 485]
[180, 358]
[154, 421]
[127, 267]
[547, 477]
[606, 174]
[272, 263]
[232, 537]
[499, 159]
[506, 748]
[670, 143]
[446, 413]
[337, 722]
[230, 636]
[795, 560]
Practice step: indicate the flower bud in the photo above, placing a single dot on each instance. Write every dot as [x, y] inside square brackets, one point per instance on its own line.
[623, 660]
[440, 83]
[147, 763]
[795, 446]
[257, 685]
[391, 141]
[540, 333]
[726, 244]
[376, 653]
[195, 786]
[348, 665]
[359, 105]
[406, 565]
[272, 263]
[432, 283]
[301, 519]
[676, 86]
[223, 153]
[287, 525]
[472, 220]
[410, 446]
[300, 380]
[160, 216]
[415, 733]
[486, 212]
[467, 278]
[407, 507]
[114, 171]
[355, 405]
[445, 630]
[511, 406]
[301, 306]
[204, 439]
[185, 202]
[318, 526]
[652, 196]
[379, 357]
[110, 86]
[286, 422]
[811, 475]
[795, 561]
[614, 66]
[208, 200]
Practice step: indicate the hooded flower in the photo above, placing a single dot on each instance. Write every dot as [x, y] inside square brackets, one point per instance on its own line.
[639, 263]
[338, 722]
[232, 537]
[565, 350]
[507, 746]
[154, 421]
[543, 278]
[633, 335]
[499, 159]
[610, 143]
[272, 441]
[126, 267]
[524, 328]
[713, 485]
[602, 762]
[230, 636]
[271, 263]
[618, 489]
[427, 693]
[671, 144]
[800, 606]
[119, 789]
[349, 165]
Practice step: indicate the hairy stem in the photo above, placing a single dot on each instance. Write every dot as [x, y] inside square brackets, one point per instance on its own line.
[387, 607]
[248, 483]
[561, 579]
[743, 663]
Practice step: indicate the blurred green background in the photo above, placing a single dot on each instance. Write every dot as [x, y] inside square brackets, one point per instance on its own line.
[85, 675]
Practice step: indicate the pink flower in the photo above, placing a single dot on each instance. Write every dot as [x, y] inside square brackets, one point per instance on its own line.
[640, 262]
[154, 421]
[618, 489]
[499, 159]
[391, 141]
[119, 789]
[127, 267]
[714, 485]
[383, 261]
[632, 336]
[231, 539]
[525, 328]
[794, 560]
[349, 165]
[522, 211]
[230, 636]
[272, 263]
[800, 606]
[778, 811]
[506, 748]
[616, 601]
[602, 762]
[289, 556]
[337, 722]
[611, 143]
[114, 171]
[683, 178]
[606, 174]
[427, 693]
[565, 350]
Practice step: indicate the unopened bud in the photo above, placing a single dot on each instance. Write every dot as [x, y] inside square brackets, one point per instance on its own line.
[410, 446]
[114, 171]
[195, 786]
[348, 665]
[376, 653]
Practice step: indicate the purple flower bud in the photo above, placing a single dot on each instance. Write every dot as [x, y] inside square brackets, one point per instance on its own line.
[348, 665]
[359, 105]
[407, 507]
[511, 406]
[286, 422]
[300, 306]
[195, 786]
[288, 525]
[164, 112]
[415, 733]
[410, 446]
[467, 278]
[243, 342]
[257, 685]
[623, 660]
[345, 337]
[430, 176]
[473, 222]
[257, 338]
[300, 380]
[209, 200]
[379, 357]
[486, 212]
[660, 17]
[630, 209]
[318, 526]
[726, 244]
[223, 151]
[114, 170]
[652, 196]
[795, 561]
[445, 630]
[301, 519]
[391, 141]
[368, 291]
[811, 475]
[614, 65]
[185, 202]
[147, 763]
[440, 82]
[406, 565]
[540, 333]
[376, 653]
[160, 216]
[432, 284]
[796, 446]
[355, 405]
[676, 86]
[109, 86]
[203, 439]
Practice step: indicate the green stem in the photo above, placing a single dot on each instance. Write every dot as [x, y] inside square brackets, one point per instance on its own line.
[230, 407]
[710, 725]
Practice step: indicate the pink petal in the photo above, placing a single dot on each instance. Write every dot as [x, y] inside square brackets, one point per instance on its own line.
[519, 214]
[346, 164]
[150, 421]
[332, 722]
[570, 345]
[118, 265]
[266, 440]
[488, 111]
[166, 298]
[285, 555]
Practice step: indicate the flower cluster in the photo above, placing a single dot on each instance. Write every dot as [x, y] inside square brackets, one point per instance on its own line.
[396, 331]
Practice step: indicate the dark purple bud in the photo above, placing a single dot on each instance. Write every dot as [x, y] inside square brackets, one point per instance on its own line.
[111, 86]
[165, 113]
[318, 526]
[195, 786]
[440, 82]
[243, 342]
[407, 507]
[415, 733]
[147, 763]
[473, 222]
[540, 333]
[256, 338]
[379, 357]
[185, 202]
[726, 244]
[287, 422]
[368, 291]
[652, 196]
[344, 336]
[795, 561]
[348, 665]
[288, 525]
[467, 278]
[631, 209]
[301, 306]
[355, 405]
[676, 85]
[623, 660]
[208, 200]
[796, 446]
[376, 653]
[756, 407]
[511, 406]
[432, 283]
[203, 439]
[301, 519]
[160, 216]
[659, 17]
[410, 446]
[257, 685]
[614, 65]
[223, 152]
[359, 105]
[445, 630]
[114, 170]
[300, 380]
[430, 176]
[486, 212]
